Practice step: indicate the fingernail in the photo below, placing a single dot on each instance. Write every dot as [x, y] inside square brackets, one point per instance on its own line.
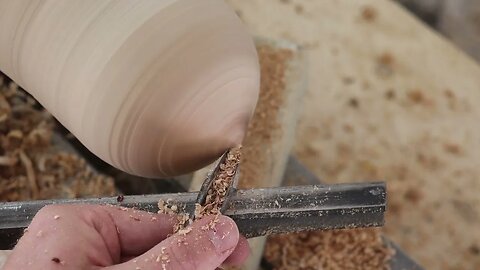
[223, 234]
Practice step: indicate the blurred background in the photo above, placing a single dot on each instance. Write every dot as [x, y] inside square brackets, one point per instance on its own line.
[458, 20]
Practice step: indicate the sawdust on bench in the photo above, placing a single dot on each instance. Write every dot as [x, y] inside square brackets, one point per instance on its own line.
[362, 249]
[264, 127]
[365, 247]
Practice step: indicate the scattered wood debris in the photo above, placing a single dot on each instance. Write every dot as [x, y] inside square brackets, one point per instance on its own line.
[211, 225]
[340, 249]
[135, 218]
[299, 9]
[185, 231]
[215, 198]
[30, 165]
[369, 13]
[183, 219]
[390, 94]
[452, 148]
[414, 195]
[353, 102]
[416, 96]
[164, 258]
[264, 128]
[386, 59]
[347, 80]
[385, 65]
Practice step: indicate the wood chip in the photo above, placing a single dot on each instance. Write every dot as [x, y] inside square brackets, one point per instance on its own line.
[182, 218]
[185, 231]
[369, 13]
[27, 163]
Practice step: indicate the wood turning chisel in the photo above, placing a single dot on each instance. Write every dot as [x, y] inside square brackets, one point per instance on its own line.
[257, 212]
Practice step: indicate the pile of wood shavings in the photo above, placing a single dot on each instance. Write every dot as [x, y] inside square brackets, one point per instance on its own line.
[30, 165]
[360, 249]
[264, 128]
[220, 186]
[167, 207]
[214, 200]
[342, 249]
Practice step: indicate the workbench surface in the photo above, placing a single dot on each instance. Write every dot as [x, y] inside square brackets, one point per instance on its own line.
[388, 99]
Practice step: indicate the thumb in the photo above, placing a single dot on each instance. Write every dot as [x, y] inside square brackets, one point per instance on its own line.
[203, 245]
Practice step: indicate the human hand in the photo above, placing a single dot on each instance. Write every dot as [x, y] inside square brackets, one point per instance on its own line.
[113, 238]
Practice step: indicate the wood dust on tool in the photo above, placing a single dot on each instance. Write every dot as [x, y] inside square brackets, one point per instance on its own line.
[30, 165]
[166, 207]
[215, 197]
[220, 186]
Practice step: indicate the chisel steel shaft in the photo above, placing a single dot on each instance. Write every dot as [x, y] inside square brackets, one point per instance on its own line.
[257, 212]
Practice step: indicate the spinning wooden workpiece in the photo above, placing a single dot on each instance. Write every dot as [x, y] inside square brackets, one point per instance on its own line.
[155, 88]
